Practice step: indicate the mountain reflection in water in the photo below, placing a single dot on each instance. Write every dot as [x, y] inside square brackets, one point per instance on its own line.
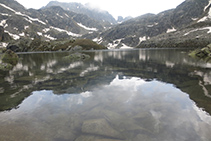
[115, 95]
[132, 108]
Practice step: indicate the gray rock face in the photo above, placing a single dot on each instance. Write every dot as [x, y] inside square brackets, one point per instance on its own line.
[168, 28]
[102, 16]
[48, 23]
[4, 36]
[185, 26]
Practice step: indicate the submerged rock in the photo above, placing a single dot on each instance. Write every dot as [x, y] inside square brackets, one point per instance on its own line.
[100, 127]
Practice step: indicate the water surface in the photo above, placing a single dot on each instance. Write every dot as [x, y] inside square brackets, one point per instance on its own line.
[131, 95]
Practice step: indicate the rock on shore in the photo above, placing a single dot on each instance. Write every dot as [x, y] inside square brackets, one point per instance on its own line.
[8, 60]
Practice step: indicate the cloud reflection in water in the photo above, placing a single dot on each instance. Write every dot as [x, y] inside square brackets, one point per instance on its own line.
[131, 105]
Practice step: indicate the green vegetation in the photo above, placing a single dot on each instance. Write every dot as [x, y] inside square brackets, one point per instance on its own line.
[204, 53]
[8, 60]
[87, 44]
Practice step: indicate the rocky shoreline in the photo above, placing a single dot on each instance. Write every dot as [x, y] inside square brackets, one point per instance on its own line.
[28, 45]
[9, 58]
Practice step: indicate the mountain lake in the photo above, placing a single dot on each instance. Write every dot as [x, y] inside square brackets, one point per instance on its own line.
[114, 95]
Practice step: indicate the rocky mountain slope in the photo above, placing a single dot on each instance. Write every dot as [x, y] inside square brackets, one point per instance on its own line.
[102, 16]
[4, 36]
[186, 25]
[120, 19]
[49, 23]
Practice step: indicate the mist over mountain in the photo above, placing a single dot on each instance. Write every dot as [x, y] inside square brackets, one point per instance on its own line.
[87, 9]
[120, 19]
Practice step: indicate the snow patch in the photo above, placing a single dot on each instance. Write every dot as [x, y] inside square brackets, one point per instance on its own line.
[28, 20]
[98, 40]
[87, 28]
[39, 33]
[171, 30]
[194, 19]
[198, 29]
[26, 27]
[6, 25]
[22, 34]
[59, 15]
[24, 15]
[3, 22]
[126, 47]
[202, 19]
[114, 44]
[14, 36]
[35, 20]
[7, 7]
[141, 39]
[206, 17]
[68, 32]
[4, 14]
[15, 28]
[66, 15]
[46, 30]
[207, 5]
[2, 44]
[150, 25]
[49, 37]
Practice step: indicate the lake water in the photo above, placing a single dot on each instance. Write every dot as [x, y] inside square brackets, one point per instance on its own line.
[122, 95]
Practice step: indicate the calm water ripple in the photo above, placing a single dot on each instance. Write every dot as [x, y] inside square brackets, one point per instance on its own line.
[133, 95]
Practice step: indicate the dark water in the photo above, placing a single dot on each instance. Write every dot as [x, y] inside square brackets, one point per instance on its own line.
[132, 95]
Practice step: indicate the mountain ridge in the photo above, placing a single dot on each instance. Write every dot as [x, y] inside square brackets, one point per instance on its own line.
[188, 25]
[49, 23]
[155, 30]
[96, 14]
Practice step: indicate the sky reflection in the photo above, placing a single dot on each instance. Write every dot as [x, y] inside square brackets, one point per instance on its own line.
[132, 106]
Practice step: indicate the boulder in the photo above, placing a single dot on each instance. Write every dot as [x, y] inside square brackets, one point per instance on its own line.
[100, 127]
[76, 48]
[8, 60]
[13, 47]
[10, 57]
[204, 53]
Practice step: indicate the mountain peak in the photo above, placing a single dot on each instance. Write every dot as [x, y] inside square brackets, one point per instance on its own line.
[87, 9]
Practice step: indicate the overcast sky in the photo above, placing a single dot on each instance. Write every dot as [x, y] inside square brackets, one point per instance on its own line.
[123, 8]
